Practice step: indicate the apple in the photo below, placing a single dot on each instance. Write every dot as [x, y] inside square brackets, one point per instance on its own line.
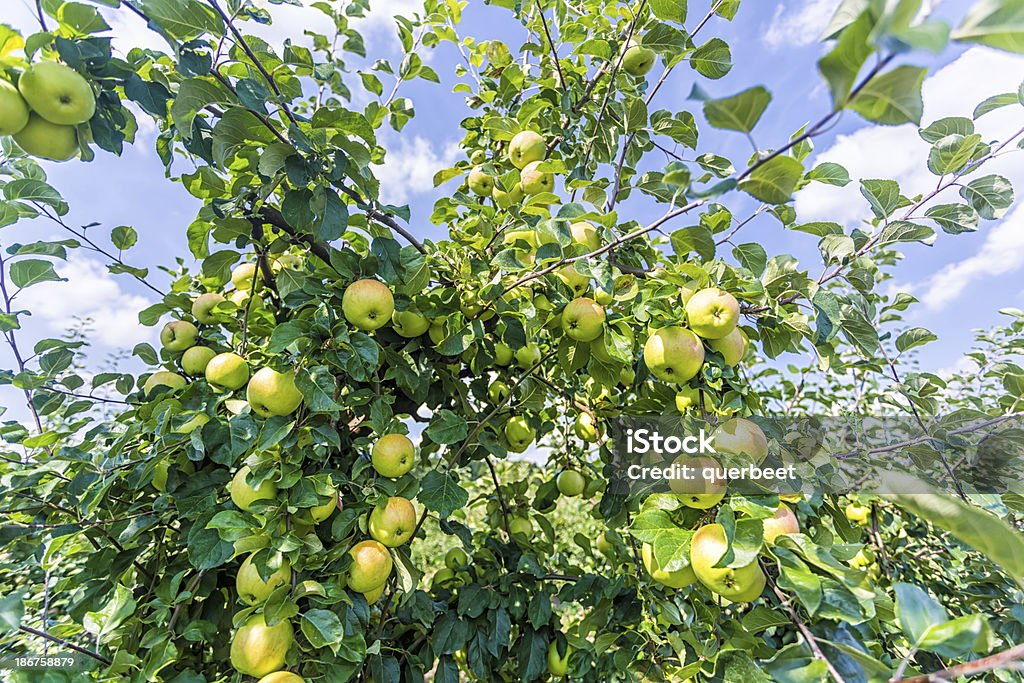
[741, 437]
[583, 319]
[558, 665]
[46, 140]
[273, 393]
[227, 371]
[520, 527]
[534, 181]
[604, 545]
[858, 514]
[782, 522]
[737, 584]
[638, 60]
[687, 398]
[674, 354]
[258, 649]
[368, 304]
[519, 434]
[480, 182]
[374, 595]
[178, 335]
[243, 275]
[193, 424]
[477, 157]
[527, 147]
[680, 578]
[244, 494]
[573, 279]
[584, 232]
[571, 483]
[58, 93]
[732, 346]
[322, 512]
[503, 354]
[705, 489]
[203, 305]
[195, 360]
[456, 559]
[171, 380]
[282, 677]
[503, 199]
[370, 568]
[528, 356]
[393, 455]
[13, 110]
[250, 585]
[409, 324]
[602, 297]
[497, 392]
[286, 260]
[394, 522]
[585, 427]
[712, 313]
[436, 332]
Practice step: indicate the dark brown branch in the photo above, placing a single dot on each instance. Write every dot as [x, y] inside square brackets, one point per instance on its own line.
[551, 43]
[1001, 660]
[71, 646]
[497, 492]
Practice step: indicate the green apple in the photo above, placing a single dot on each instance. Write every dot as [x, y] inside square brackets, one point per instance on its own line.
[456, 559]
[371, 566]
[503, 199]
[527, 147]
[571, 483]
[251, 587]
[409, 324]
[712, 313]
[705, 488]
[477, 157]
[604, 545]
[573, 279]
[528, 356]
[627, 376]
[520, 527]
[503, 354]
[195, 360]
[178, 335]
[534, 181]
[273, 393]
[288, 676]
[171, 380]
[258, 649]
[497, 392]
[46, 140]
[738, 584]
[583, 319]
[686, 399]
[602, 297]
[203, 305]
[285, 260]
[858, 514]
[680, 578]
[558, 665]
[638, 60]
[374, 595]
[436, 331]
[480, 182]
[368, 304]
[227, 371]
[585, 427]
[519, 434]
[741, 437]
[393, 523]
[243, 494]
[58, 93]
[732, 346]
[243, 275]
[674, 354]
[13, 110]
[782, 522]
[320, 513]
[584, 232]
[393, 455]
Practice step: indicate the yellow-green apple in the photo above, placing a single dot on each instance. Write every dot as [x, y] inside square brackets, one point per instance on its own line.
[603, 297]
[573, 279]
[503, 354]
[585, 427]
[732, 346]
[13, 110]
[584, 232]
[368, 304]
[782, 522]
[528, 356]
[583, 319]
[393, 455]
[58, 93]
[456, 559]
[741, 437]
[243, 275]
[178, 335]
[674, 354]
[370, 568]
[46, 140]
[571, 483]
[203, 306]
[250, 585]
[282, 677]
[393, 523]
[558, 664]
[244, 494]
[480, 182]
[638, 60]
[858, 514]
[505, 199]
[286, 260]
[436, 331]
[258, 649]
[712, 313]
[604, 545]
[627, 376]
[477, 157]
[704, 488]
[409, 324]
[497, 392]
[227, 371]
[530, 237]
[519, 434]
[520, 527]
[195, 360]
[680, 578]
[526, 147]
[273, 393]
[687, 398]
[171, 380]
[534, 181]
[374, 595]
[738, 584]
[320, 513]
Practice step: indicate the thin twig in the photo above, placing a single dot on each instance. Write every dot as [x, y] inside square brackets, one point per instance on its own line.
[71, 646]
[808, 636]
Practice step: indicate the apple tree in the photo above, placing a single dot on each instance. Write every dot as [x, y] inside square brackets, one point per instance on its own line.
[316, 479]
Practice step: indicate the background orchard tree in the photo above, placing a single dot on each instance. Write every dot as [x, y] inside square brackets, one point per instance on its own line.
[250, 506]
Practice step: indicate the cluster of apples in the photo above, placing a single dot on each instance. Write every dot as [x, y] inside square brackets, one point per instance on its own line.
[43, 109]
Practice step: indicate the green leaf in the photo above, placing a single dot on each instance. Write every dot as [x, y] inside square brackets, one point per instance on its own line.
[883, 196]
[830, 174]
[183, 19]
[958, 637]
[322, 628]
[669, 10]
[682, 128]
[996, 102]
[712, 59]
[954, 218]
[440, 493]
[917, 611]
[892, 98]
[841, 66]
[912, 338]
[666, 40]
[996, 23]
[318, 386]
[740, 112]
[905, 231]
[12, 609]
[952, 153]
[193, 95]
[447, 427]
[124, 237]
[952, 125]
[33, 271]
[773, 182]
[35, 191]
[990, 196]
[751, 256]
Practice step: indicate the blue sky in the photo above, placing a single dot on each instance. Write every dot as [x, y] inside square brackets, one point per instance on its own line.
[963, 281]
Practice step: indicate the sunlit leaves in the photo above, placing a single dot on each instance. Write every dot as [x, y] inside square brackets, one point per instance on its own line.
[830, 173]
[713, 59]
[990, 196]
[183, 19]
[893, 97]
[841, 66]
[740, 112]
[996, 23]
[441, 493]
[954, 218]
[773, 182]
[28, 272]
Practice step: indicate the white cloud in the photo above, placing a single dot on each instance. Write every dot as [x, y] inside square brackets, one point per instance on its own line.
[91, 292]
[409, 168]
[799, 24]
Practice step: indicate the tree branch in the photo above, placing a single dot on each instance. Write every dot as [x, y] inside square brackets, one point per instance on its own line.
[808, 636]
[71, 646]
[1007, 659]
